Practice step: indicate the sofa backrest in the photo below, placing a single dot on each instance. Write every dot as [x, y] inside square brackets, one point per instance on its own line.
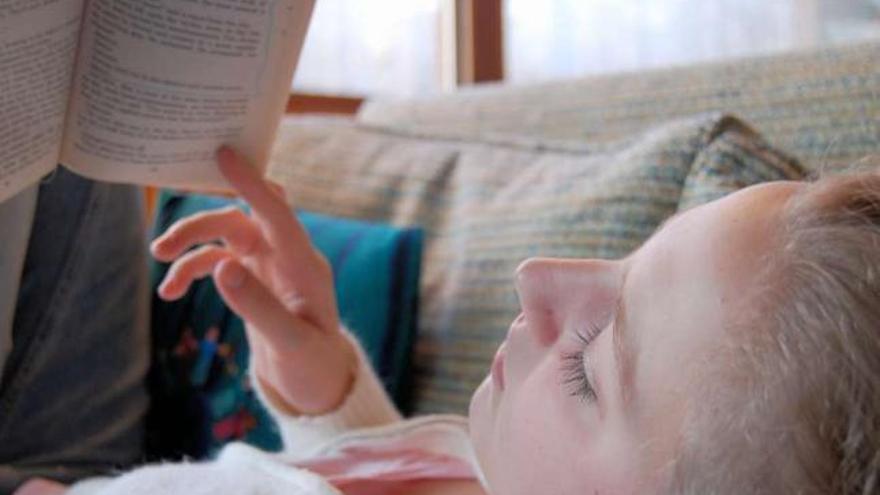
[823, 107]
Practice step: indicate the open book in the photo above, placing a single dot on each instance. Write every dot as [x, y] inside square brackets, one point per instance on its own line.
[142, 91]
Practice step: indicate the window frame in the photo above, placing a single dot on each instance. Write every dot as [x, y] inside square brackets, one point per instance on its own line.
[477, 29]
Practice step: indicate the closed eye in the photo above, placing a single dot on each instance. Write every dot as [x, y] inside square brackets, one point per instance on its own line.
[575, 364]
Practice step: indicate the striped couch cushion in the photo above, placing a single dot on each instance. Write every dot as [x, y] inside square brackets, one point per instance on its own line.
[487, 205]
[823, 107]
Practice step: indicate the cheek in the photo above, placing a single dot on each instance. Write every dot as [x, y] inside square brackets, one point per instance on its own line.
[541, 440]
[481, 419]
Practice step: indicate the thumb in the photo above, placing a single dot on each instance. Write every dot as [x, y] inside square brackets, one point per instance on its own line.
[246, 295]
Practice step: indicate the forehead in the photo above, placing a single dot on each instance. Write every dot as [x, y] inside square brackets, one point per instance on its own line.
[720, 245]
[682, 286]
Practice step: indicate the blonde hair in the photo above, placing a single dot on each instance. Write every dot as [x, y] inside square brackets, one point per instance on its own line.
[793, 406]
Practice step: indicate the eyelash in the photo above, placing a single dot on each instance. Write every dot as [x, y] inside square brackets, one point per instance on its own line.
[575, 377]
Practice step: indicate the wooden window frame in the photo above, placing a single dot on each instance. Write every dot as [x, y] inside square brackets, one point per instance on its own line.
[317, 103]
[480, 41]
[477, 50]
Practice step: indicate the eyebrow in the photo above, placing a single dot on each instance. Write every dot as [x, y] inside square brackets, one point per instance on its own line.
[624, 347]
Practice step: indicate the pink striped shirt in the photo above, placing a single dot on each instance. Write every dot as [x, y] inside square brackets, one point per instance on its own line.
[373, 470]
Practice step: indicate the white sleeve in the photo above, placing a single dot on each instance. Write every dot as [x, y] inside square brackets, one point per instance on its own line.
[89, 486]
[367, 405]
[239, 469]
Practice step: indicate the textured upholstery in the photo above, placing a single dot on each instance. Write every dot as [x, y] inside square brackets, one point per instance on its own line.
[822, 107]
[486, 205]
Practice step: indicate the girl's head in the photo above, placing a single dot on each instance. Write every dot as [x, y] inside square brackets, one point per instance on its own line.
[737, 351]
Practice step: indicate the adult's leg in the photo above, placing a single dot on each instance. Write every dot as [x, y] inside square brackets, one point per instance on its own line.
[72, 396]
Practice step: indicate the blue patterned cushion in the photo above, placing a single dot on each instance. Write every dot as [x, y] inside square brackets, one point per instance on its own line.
[201, 394]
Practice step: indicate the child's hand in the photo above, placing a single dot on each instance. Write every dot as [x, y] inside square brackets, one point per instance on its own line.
[269, 273]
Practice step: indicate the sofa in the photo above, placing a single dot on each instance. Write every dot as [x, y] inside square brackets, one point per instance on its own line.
[481, 179]
[419, 162]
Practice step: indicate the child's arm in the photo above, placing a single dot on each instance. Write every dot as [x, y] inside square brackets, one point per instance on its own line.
[366, 405]
[268, 272]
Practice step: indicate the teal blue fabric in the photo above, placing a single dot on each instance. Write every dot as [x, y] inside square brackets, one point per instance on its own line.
[201, 395]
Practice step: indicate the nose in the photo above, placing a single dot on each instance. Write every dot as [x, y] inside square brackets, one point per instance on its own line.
[557, 295]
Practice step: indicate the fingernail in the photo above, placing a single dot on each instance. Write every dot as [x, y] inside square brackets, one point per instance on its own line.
[154, 246]
[232, 275]
[162, 290]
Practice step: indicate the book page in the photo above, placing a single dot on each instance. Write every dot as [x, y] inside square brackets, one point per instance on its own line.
[37, 50]
[161, 84]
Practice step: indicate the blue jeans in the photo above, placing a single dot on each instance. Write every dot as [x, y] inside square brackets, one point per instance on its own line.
[73, 397]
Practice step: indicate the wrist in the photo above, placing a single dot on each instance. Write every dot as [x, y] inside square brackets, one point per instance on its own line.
[299, 389]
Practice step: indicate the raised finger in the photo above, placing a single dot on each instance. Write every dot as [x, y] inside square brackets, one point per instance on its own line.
[269, 206]
[229, 225]
[245, 179]
[193, 265]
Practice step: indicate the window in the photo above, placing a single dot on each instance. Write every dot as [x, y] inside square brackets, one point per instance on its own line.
[372, 47]
[366, 48]
[566, 38]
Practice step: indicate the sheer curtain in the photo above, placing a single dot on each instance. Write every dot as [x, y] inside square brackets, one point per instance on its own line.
[370, 47]
[393, 47]
[564, 38]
